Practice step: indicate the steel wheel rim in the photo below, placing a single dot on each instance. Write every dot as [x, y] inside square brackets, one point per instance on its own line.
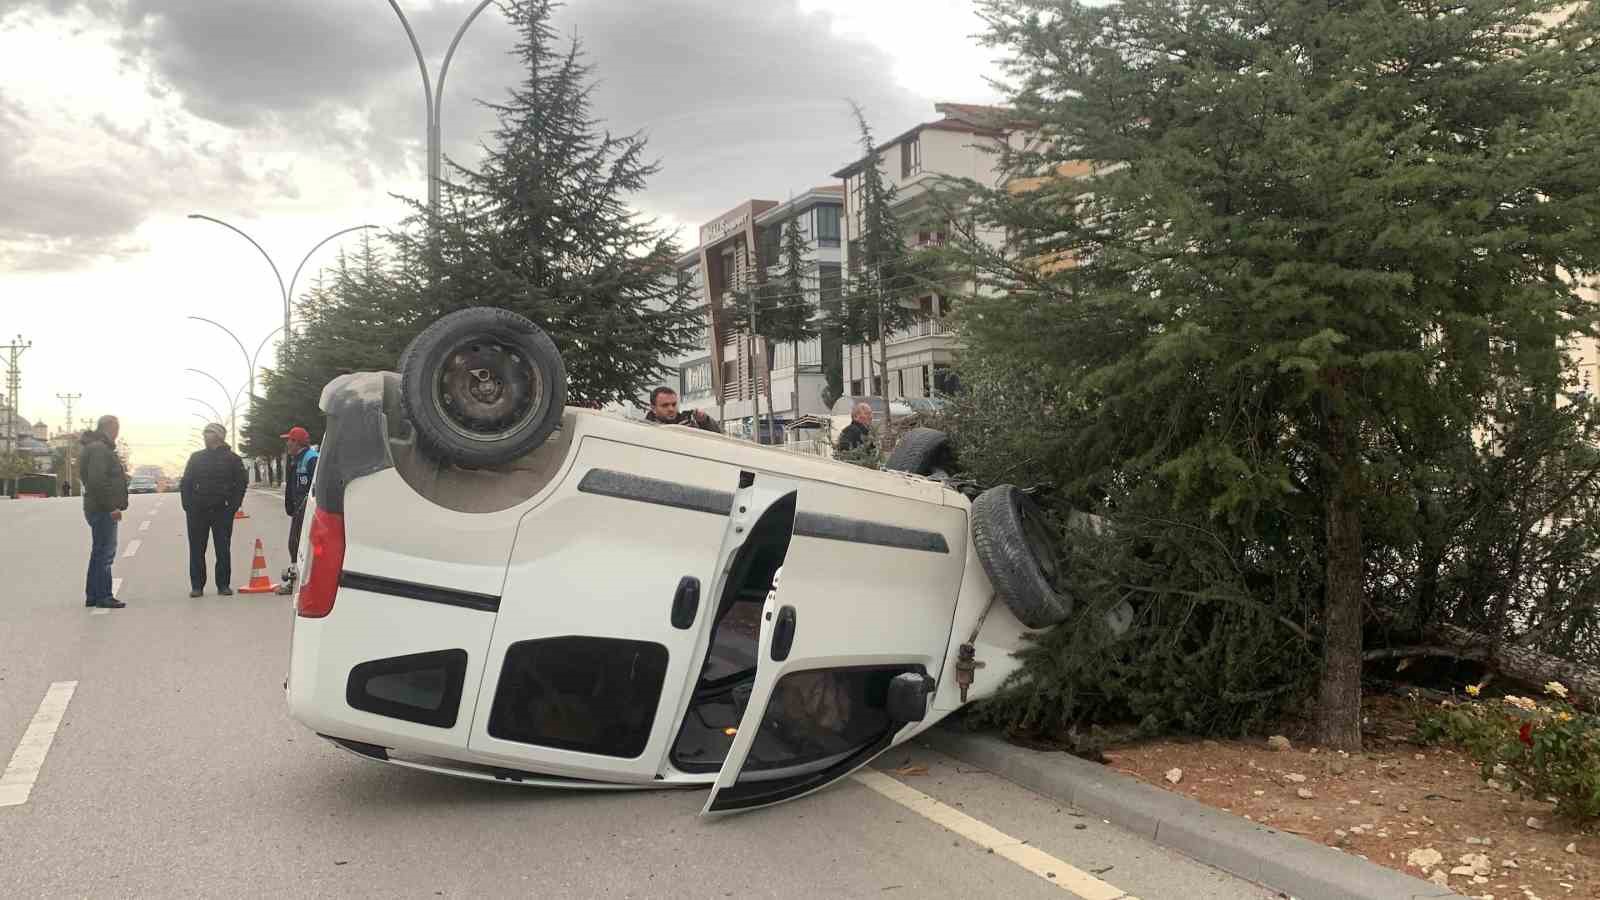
[487, 391]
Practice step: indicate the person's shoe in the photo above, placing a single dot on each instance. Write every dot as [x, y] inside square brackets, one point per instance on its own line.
[111, 603]
[285, 589]
[196, 592]
[225, 592]
[88, 603]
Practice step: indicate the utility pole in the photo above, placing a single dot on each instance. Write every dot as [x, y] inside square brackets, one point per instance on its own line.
[69, 399]
[14, 351]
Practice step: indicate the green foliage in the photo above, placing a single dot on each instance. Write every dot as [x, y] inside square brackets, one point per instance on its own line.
[542, 228]
[1320, 247]
[1540, 750]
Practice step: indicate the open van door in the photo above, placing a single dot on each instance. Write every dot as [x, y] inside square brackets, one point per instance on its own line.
[851, 642]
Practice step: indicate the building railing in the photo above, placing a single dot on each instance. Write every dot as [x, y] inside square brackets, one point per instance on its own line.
[921, 329]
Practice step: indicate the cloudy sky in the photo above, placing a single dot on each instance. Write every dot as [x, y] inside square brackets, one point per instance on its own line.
[295, 118]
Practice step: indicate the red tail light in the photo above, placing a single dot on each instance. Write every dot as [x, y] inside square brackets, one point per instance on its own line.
[315, 599]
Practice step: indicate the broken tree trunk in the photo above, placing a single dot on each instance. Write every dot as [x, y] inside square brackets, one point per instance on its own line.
[1516, 661]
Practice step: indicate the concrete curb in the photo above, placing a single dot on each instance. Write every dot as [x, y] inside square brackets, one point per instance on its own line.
[1298, 867]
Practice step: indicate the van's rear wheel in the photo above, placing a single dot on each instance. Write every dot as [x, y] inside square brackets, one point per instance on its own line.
[1022, 555]
[482, 386]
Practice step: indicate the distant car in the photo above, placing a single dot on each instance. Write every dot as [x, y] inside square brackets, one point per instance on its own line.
[142, 484]
[501, 587]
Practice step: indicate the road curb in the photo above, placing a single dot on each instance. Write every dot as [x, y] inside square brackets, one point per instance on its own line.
[1300, 868]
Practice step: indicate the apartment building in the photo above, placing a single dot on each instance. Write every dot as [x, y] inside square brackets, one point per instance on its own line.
[730, 370]
[962, 143]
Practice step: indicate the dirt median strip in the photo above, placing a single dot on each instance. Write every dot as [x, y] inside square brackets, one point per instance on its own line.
[1300, 868]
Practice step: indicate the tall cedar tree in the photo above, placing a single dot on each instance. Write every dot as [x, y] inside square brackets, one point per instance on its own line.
[1316, 233]
[543, 228]
[883, 270]
[782, 307]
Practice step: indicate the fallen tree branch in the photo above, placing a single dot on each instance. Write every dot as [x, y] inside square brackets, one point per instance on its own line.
[1427, 650]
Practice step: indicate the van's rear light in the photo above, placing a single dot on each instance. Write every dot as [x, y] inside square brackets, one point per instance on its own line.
[315, 599]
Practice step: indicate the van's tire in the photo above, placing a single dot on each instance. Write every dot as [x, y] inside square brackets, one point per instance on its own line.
[482, 387]
[921, 451]
[1022, 555]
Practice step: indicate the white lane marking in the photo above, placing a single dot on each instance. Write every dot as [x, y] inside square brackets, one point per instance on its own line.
[145, 525]
[17, 781]
[1073, 880]
[133, 547]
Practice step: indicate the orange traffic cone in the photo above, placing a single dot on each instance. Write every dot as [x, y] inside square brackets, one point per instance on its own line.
[259, 582]
[240, 513]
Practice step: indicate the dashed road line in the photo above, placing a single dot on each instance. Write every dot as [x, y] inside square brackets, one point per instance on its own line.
[1073, 880]
[133, 548]
[145, 525]
[19, 777]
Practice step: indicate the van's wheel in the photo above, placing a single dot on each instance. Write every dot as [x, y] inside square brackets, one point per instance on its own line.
[1022, 555]
[482, 386]
[921, 451]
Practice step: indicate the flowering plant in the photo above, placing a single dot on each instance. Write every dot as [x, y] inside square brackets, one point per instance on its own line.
[1542, 750]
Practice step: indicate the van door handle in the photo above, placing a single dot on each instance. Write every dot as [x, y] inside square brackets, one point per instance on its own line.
[685, 602]
[783, 634]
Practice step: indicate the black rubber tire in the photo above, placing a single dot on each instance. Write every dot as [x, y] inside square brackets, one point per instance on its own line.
[427, 379]
[1027, 574]
[921, 451]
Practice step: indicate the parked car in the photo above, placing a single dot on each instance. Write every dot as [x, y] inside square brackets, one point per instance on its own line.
[499, 586]
[142, 484]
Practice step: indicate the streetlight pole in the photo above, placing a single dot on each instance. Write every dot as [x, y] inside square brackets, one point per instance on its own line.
[250, 360]
[233, 407]
[219, 416]
[286, 291]
[433, 96]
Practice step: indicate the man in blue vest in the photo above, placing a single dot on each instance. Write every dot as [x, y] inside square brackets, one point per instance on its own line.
[299, 474]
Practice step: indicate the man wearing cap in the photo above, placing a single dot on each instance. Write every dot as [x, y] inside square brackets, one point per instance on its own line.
[212, 490]
[302, 469]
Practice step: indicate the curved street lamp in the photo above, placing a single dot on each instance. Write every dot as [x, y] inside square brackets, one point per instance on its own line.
[250, 359]
[233, 420]
[286, 291]
[433, 96]
[219, 416]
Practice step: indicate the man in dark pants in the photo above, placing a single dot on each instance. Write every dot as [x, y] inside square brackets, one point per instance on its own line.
[212, 490]
[105, 496]
[300, 472]
[664, 411]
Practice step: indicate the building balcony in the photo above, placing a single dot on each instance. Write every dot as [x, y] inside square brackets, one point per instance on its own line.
[922, 329]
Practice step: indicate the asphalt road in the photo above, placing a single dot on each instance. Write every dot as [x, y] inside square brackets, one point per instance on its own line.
[175, 771]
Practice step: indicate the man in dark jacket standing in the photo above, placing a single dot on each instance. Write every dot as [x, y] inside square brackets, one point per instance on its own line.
[664, 411]
[105, 496]
[859, 432]
[212, 490]
[301, 474]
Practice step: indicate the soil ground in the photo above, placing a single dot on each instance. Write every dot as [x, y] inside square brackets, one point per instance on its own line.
[1385, 803]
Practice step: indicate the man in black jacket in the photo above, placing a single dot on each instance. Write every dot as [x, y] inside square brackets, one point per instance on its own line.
[859, 432]
[105, 496]
[212, 490]
[664, 411]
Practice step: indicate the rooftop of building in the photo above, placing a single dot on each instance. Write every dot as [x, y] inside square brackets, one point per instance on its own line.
[970, 118]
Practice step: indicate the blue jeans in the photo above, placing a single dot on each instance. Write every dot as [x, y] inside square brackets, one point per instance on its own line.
[102, 552]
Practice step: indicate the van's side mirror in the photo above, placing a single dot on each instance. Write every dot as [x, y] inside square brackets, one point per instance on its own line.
[908, 697]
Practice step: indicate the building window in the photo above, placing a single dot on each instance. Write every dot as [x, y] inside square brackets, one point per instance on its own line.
[927, 386]
[828, 226]
[855, 388]
[900, 382]
[910, 157]
[944, 380]
[769, 245]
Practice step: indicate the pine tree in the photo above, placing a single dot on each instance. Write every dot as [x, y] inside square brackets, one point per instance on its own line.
[883, 270]
[780, 309]
[1318, 235]
[543, 227]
